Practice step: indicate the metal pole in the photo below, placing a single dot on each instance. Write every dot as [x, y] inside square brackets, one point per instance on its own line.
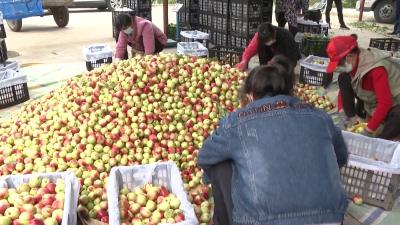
[165, 7]
[362, 3]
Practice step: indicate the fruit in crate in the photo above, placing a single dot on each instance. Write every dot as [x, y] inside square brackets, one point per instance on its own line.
[39, 202]
[358, 200]
[357, 127]
[309, 94]
[150, 204]
[139, 111]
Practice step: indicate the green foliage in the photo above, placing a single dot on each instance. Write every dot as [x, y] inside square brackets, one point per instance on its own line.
[370, 26]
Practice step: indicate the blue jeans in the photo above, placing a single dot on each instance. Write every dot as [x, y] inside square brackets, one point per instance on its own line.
[397, 24]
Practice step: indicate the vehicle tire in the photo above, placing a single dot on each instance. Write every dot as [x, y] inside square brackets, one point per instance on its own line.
[385, 11]
[60, 15]
[15, 25]
[114, 4]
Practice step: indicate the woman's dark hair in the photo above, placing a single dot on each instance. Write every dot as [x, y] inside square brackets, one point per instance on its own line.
[124, 20]
[265, 32]
[355, 50]
[269, 80]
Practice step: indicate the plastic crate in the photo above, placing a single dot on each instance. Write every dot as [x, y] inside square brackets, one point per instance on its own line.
[244, 27]
[114, 15]
[9, 65]
[71, 188]
[220, 7]
[146, 14]
[205, 5]
[137, 4]
[19, 9]
[164, 174]
[97, 55]
[195, 35]
[3, 51]
[220, 23]
[373, 170]
[188, 19]
[219, 38]
[190, 5]
[376, 188]
[205, 19]
[246, 9]
[13, 89]
[387, 44]
[310, 45]
[314, 74]
[306, 26]
[192, 49]
[239, 41]
[226, 55]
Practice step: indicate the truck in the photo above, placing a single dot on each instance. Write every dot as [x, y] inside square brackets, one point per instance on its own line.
[384, 10]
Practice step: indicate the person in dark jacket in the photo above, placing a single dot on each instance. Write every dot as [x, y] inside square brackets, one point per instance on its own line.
[396, 28]
[339, 7]
[268, 42]
[276, 160]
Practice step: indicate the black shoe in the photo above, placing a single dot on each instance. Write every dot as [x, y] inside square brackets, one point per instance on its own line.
[344, 27]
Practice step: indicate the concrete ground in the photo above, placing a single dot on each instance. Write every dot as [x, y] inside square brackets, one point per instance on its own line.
[42, 42]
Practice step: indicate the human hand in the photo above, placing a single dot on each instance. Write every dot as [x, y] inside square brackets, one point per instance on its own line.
[368, 132]
[353, 121]
[242, 66]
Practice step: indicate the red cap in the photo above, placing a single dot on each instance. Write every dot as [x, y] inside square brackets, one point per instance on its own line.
[338, 47]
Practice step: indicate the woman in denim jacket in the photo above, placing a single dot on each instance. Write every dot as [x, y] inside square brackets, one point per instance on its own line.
[276, 160]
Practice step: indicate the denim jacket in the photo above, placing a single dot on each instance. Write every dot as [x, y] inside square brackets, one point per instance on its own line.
[286, 156]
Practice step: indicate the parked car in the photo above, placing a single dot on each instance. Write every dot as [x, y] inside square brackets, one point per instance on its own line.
[384, 10]
[99, 4]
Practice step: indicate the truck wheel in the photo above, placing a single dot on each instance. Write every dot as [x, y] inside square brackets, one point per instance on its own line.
[60, 15]
[385, 11]
[15, 25]
[114, 4]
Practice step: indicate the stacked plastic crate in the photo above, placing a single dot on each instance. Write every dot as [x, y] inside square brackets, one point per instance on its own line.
[142, 9]
[245, 16]
[220, 22]
[188, 15]
[205, 16]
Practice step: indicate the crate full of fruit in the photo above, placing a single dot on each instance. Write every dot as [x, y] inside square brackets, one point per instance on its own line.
[313, 71]
[42, 198]
[373, 170]
[147, 194]
[314, 44]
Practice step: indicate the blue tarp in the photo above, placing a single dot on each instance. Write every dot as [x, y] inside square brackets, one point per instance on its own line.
[19, 9]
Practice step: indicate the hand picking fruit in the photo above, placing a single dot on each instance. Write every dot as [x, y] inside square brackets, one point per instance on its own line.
[38, 202]
[371, 78]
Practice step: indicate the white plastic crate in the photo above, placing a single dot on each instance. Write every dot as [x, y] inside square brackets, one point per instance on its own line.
[373, 153]
[9, 65]
[192, 49]
[72, 188]
[163, 174]
[195, 34]
[309, 63]
[96, 52]
[10, 77]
